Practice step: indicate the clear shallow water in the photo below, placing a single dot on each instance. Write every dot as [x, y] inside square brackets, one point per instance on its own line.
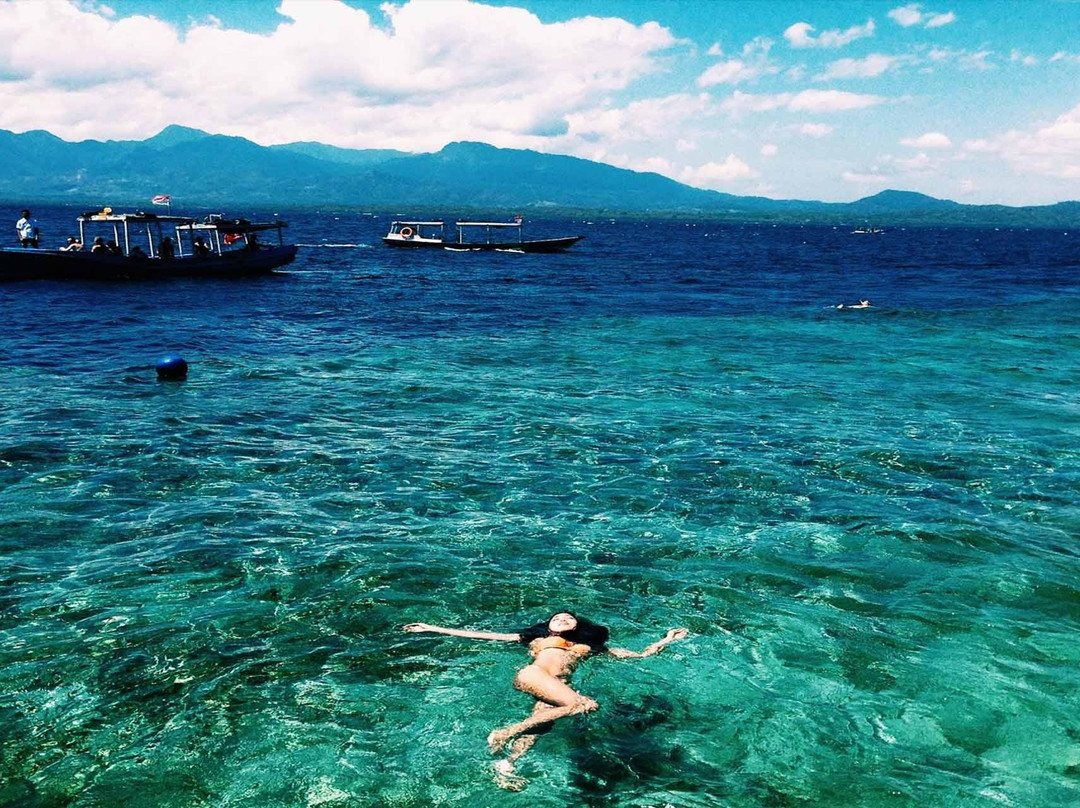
[867, 518]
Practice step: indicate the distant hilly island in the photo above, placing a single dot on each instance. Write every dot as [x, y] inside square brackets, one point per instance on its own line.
[199, 169]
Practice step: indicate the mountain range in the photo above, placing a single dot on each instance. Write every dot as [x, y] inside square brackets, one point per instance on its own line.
[201, 169]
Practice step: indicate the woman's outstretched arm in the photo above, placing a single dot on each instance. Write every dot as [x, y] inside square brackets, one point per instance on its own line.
[670, 637]
[417, 628]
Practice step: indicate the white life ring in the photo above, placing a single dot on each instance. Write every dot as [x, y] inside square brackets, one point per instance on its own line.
[406, 232]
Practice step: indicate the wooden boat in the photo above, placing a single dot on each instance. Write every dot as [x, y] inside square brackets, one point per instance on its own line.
[431, 235]
[214, 247]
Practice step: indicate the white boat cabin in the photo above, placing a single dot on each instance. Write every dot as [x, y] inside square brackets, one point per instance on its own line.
[416, 232]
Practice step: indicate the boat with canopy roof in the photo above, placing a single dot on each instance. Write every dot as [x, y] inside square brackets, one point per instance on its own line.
[147, 246]
[418, 235]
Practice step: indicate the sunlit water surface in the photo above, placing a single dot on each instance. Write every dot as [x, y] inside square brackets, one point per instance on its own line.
[868, 520]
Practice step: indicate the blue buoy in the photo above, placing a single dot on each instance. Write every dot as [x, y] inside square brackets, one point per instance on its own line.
[172, 369]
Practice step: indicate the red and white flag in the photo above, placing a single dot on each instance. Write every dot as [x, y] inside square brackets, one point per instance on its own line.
[160, 199]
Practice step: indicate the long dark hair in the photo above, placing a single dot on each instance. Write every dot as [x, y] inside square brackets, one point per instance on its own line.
[585, 632]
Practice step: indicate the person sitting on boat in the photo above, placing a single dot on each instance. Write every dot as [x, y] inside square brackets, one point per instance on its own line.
[136, 252]
[252, 243]
[166, 249]
[73, 245]
[113, 247]
[200, 248]
[27, 228]
[99, 245]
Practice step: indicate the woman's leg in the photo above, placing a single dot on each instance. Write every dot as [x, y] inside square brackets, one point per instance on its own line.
[505, 774]
[564, 701]
[523, 743]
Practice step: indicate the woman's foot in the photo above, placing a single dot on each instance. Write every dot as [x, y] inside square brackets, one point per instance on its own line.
[497, 740]
[506, 778]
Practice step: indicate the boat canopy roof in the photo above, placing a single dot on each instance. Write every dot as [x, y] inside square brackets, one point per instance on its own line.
[488, 224]
[232, 225]
[133, 218]
[417, 224]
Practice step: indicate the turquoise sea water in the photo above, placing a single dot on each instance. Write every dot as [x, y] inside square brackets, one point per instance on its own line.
[867, 519]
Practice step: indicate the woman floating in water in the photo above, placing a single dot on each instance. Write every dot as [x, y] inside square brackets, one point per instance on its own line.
[557, 645]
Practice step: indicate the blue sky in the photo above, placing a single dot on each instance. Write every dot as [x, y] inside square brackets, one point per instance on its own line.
[974, 101]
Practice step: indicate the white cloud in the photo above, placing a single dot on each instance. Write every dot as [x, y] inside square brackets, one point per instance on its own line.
[1026, 59]
[645, 120]
[799, 35]
[906, 15]
[1065, 56]
[967, 60]
[758, 47]
[868, 67]
[731, 72]
[1051, 150]
[938, 20]
[427, 74]
[832, 101]
[913, 14]
[865, 177]
[968, 187]
[815, 130]
[805, 101]
[980, 146]
[888, 168]
[980, 60]
[769, 150]
[753, 64]
[685, 145]
[715, 50]
[931, 140]
[741, 102]
[655, 165]
[715, 175]
[919, 164]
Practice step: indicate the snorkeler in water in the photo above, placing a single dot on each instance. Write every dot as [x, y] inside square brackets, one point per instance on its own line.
[557, 646]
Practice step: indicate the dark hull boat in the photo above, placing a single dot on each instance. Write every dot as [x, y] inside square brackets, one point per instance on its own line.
[211, 248]
[547, 245]
[19, 264]
[430, 236]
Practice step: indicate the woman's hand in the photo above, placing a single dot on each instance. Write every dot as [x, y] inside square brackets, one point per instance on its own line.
[676, 634]
[417, 627]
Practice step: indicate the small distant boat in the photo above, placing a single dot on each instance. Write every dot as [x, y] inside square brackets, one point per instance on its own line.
[213, 247]
[412, 235]
[867, 231]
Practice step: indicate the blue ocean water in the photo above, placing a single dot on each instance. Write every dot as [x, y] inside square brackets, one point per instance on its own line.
[866, 518]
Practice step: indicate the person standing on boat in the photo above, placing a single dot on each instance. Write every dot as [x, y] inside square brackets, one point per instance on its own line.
[27, 228]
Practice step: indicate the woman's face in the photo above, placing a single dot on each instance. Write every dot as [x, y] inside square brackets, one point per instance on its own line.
[562, 622]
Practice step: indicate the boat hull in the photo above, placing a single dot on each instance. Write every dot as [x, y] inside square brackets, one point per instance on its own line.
[548, 245]
[29, 264]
